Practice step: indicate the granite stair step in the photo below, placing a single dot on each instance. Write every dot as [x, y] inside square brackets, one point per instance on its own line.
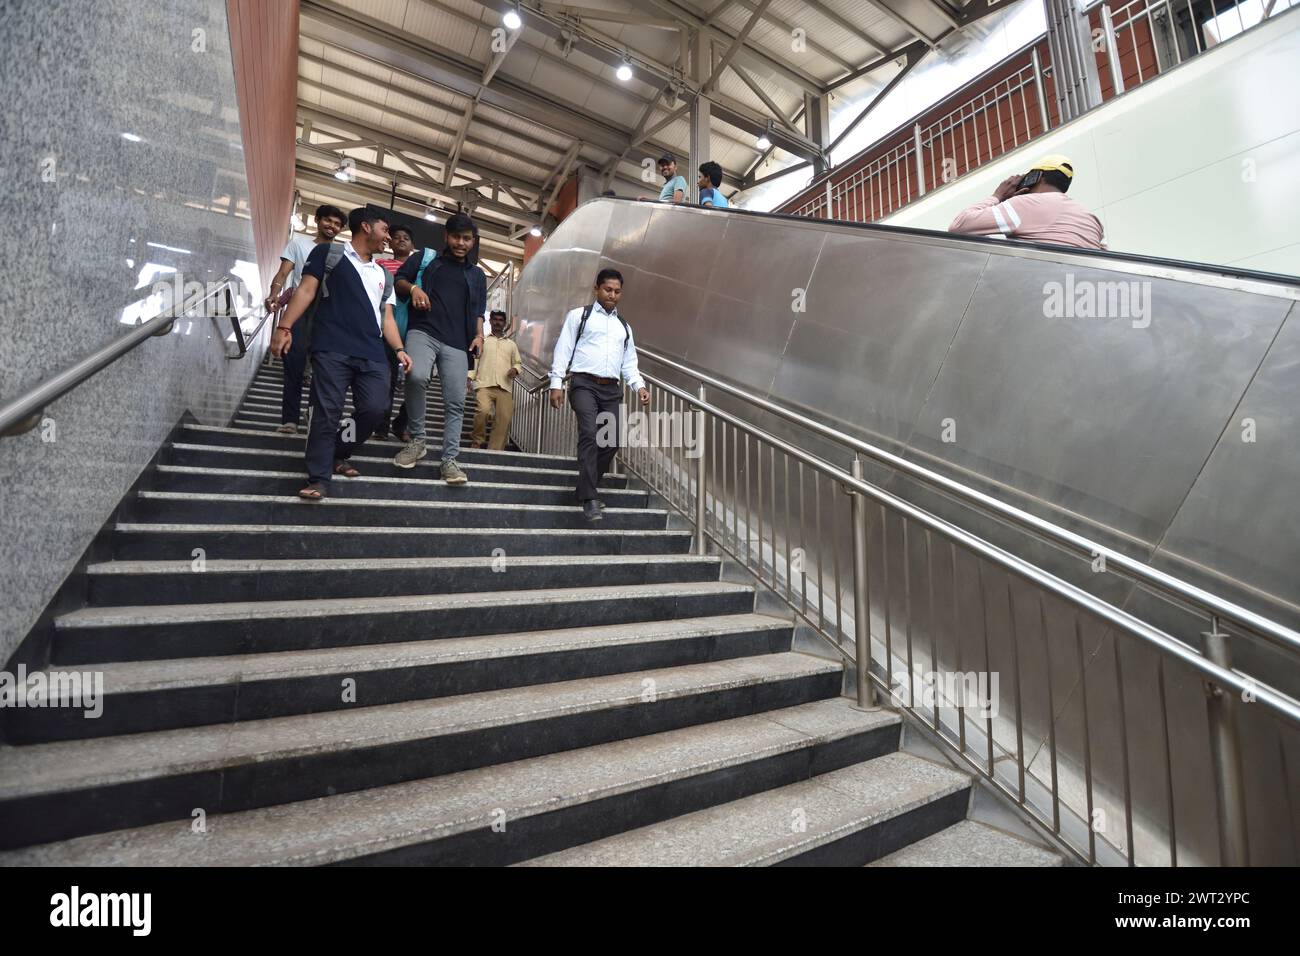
[845, 817]
[143, 696]
[57, 791]
[151, 632]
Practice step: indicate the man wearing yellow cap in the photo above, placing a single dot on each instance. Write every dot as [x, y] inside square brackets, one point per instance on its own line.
[1034, 206]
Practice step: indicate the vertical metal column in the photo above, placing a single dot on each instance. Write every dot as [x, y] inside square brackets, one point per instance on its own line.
[1040, 90]
[1112, 50]
[861, 602]
[1225, 757]
[701, 116]
[920, 163]
[701, 489]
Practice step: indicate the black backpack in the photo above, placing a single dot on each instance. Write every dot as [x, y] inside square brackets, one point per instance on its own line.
[332, 259]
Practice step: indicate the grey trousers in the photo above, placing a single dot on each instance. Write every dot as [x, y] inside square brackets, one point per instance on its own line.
[453, 367]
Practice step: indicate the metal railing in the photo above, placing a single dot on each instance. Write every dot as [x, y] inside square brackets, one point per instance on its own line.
[900, 593]
[1138, 40]
[1153, 36]
[984, 126]
[23, 413]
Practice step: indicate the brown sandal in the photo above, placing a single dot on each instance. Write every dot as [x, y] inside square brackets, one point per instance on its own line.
[346, 470]
[313, 492]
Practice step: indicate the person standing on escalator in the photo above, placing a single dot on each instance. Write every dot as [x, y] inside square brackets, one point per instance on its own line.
[1033, 206]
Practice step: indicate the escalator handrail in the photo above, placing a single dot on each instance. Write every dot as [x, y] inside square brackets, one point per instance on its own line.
[1219, 609]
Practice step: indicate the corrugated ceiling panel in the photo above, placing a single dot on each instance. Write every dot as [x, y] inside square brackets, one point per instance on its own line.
[507, 164]
[427, 91]
[348, 107]
[513, 122]
[387, 11]
[447, 30]
[419, 132]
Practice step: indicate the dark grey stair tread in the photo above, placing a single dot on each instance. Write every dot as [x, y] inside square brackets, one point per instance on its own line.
[172, 614]
[971, 843]
[196, 432]
[131, 677]
[610, 496]
[296, 457]
[131, 527]
[761, 829]
[336, 828]
[42, 769]
[361, 503]
[219, 567]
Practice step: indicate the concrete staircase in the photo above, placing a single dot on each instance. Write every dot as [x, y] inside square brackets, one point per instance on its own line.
[408, 672]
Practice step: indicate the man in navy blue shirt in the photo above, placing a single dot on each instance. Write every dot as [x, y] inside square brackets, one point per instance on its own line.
[352, 321]
[444, 324]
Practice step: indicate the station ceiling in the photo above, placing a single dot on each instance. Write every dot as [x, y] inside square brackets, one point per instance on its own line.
[440, 98]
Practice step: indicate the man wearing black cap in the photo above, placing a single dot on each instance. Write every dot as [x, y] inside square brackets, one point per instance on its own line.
[675, 188]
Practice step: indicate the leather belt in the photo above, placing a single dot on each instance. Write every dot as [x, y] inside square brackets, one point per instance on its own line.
[596, 378]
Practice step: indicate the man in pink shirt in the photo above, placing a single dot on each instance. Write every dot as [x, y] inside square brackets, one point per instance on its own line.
[1034, 207]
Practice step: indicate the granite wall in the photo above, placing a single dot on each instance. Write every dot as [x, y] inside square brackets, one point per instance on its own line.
[123, 166]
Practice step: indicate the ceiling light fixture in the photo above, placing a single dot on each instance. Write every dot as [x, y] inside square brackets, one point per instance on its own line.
[512, 19]
[536, 231]
[624, 71]
[431, 214]
[347, 171]
[765, 139]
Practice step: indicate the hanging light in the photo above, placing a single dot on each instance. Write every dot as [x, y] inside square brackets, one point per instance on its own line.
[431, 214]
[536, 231]
[512, 19]
[347, 171]
[624, 71]
[764, 140]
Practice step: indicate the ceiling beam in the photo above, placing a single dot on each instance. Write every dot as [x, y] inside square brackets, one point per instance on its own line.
[609, 16]
[479, 119]
[712, 82]
[813, 45]
[309, 155]
[329, 23]
[356, 127]
[750, 53]
[767, 100]
[845, 24]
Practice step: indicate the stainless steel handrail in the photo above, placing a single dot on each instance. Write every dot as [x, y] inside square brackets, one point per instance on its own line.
[1281, 636]
[688, 490]
[23, 413]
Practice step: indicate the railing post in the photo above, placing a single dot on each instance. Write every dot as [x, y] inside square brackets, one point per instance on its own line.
[1039, 89]
[828, 198]
[1225, 756]
[1112, 50]
[861, 601]
[701, 540]
[542, 406]
[920, 162]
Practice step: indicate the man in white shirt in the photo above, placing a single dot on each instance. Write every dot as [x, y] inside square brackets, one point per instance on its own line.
[596, 346]
[349, 328]
[329, 223]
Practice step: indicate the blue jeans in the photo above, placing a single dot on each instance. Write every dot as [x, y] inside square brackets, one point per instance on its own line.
[453, 367]
[332, 375]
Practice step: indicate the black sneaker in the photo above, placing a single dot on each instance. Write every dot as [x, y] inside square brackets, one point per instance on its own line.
[591, 510]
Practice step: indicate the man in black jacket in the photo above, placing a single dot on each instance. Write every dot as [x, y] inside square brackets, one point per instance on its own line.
[445, 324]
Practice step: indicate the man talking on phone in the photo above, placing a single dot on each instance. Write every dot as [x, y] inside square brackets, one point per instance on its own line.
[444, 324]
[1034, 206]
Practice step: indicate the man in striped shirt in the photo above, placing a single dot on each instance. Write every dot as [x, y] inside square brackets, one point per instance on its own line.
[1034, 207]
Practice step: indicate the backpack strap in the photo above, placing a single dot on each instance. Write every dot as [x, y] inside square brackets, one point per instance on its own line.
[586, 314]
